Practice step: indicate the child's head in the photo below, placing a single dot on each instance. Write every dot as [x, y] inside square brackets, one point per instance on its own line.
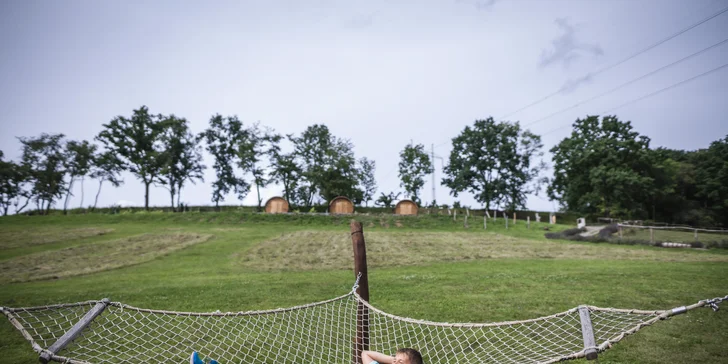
[408, 356]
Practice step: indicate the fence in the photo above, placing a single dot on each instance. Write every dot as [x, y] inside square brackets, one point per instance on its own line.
[671, 234]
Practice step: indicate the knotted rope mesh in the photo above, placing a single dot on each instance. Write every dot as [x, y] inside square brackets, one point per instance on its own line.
[319, 332]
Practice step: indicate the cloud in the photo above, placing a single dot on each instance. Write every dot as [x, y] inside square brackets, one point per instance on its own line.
[566, 48]
[483, 5]
[361, 21]
[573, 83]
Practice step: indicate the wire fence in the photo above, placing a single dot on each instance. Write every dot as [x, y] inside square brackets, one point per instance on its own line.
[672, 234]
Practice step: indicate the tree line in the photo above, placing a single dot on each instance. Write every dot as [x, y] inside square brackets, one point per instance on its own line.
[604, 168]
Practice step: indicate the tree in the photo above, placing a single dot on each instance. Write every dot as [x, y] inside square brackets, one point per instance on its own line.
[79, 160]
[603, 167]
[136, 141]
[712, 179]
[286, 171]
[328, 166]
[182, 157]
[106, 168]
[13, 178]
[414, 165]
[492, 160]
[368, 183]
[222, 138]
[255, 144]
[387, 200]
[44, 160]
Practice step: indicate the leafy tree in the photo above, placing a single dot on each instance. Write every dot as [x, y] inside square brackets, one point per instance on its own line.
[223, 137]
[328, 166]
[492, 160]
[368, 183]
[182, 157]
[106, 168]
[255, 144]
[711, 179]
[44, 160]
[286, 171]
[414, 165]
[136, 141]
[603, 167]
[340, 176]
[13, 178]
[387, 200]
[79, 160]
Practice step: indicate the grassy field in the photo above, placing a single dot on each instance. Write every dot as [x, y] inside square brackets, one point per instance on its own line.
[428, 268]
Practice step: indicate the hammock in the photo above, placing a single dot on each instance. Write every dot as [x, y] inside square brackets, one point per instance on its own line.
[331, 331]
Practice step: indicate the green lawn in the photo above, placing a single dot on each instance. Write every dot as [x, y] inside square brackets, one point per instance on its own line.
[427, 268]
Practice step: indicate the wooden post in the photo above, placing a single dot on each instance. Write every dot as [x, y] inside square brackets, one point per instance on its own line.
[528, 222]
[454, 215]
[514, 218]
[505, 217]
[485, 221]
[620, 232]
[465, 224]
[73, 333]
[652, 236]
[695, 234]
[361, 341]
[587, 333]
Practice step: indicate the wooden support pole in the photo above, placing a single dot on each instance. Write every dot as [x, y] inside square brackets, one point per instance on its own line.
[74, 332]
[620, 232]
[695, 234]
[505, 217]
[652, 236]
[587, 333]
[528, 222]
[514, 218]
[485, 221]
[361, 341]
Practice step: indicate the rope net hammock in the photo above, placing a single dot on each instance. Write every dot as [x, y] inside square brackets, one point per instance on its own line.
[331, 331]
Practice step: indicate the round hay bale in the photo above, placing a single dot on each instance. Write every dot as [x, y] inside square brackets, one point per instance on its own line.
[276, 205]
[405, 207]
[341, 205]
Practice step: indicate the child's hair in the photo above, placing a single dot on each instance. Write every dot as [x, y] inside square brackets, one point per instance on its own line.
[414, 356]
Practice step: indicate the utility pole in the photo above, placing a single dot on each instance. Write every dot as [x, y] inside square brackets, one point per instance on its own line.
[432, 160]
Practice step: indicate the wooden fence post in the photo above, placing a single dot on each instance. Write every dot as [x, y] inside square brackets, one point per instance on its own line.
[652, 236]
[528, 222]
[620, 232]
[361, 341]
[505, 217]
[485, 221]
[695, 234]
[514, 218]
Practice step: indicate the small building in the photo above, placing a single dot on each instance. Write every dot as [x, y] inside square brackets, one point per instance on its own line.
[405, 207]
[341, 205]
[276, 205]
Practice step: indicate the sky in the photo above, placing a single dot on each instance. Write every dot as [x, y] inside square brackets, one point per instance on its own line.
[379, 73]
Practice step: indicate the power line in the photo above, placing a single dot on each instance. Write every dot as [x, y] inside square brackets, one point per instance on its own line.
[627, 83]
[674, 85]
[591, 74]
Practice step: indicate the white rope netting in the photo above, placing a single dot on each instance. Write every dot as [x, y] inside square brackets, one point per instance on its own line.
[320, 332]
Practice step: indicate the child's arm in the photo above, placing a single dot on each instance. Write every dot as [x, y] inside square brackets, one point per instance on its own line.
[370, 356]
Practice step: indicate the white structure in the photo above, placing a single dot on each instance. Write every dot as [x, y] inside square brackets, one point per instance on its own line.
[581, 222]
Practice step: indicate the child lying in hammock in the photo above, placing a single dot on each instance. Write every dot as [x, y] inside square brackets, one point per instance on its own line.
[403, 356]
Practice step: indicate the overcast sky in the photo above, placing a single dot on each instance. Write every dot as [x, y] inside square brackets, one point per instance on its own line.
[380, 73]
